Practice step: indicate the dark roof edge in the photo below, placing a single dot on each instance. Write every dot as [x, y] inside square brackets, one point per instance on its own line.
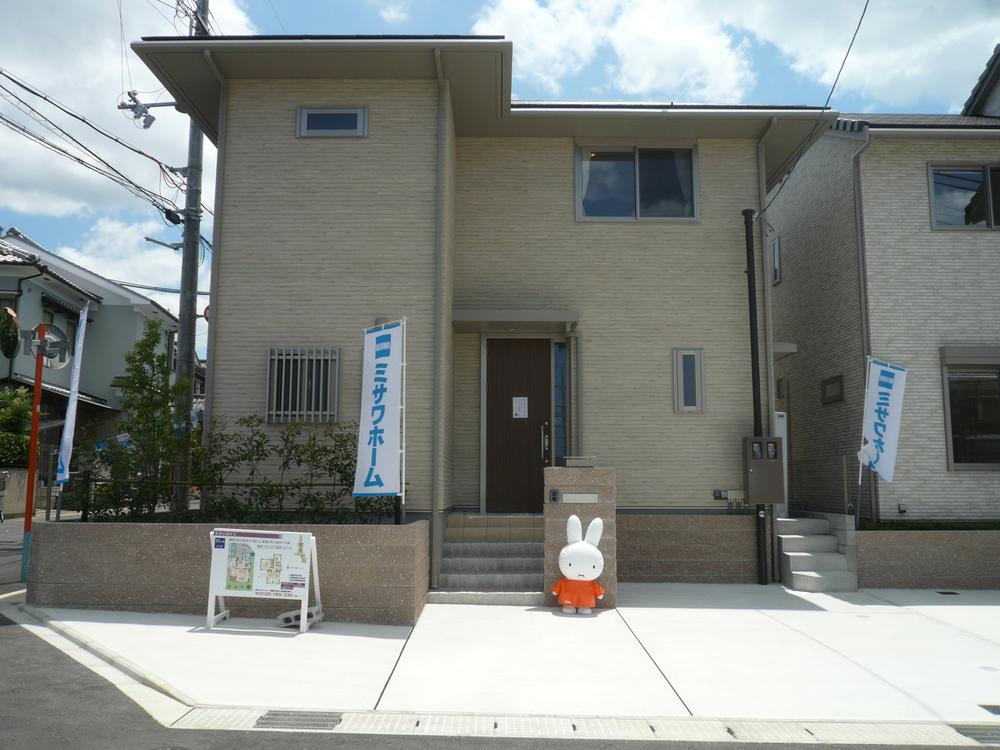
[550, 104]
[989, 78]
[328, 37]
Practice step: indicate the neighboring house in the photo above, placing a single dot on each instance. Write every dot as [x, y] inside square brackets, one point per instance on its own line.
[886, 242]
[42, 286]
[587, 256]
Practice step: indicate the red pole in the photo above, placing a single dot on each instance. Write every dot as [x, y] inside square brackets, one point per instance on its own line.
[29, 494]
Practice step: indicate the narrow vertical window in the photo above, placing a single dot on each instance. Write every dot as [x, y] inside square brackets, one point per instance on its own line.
[688, 380]
[776, 261]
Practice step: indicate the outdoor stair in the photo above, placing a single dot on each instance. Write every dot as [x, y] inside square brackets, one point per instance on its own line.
[492, 559]
[810, 560]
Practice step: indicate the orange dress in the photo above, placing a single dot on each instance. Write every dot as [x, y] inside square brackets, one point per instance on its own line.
[577, 593]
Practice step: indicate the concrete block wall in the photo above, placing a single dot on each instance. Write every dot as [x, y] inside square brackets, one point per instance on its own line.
[929, 559]
[687, 548]
[368, 573]
[598, 481]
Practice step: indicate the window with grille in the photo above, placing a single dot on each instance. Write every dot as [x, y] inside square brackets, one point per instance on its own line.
[302, 384]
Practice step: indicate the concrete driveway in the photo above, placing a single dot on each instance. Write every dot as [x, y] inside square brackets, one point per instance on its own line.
[670, 650]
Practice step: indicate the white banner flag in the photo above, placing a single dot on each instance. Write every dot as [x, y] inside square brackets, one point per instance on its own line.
[883, 408]
[69, 426]
[378, 471]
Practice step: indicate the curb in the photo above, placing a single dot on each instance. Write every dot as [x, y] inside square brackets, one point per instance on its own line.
[118, 662]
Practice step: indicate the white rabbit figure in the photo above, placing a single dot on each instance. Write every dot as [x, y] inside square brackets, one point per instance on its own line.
[581, 564]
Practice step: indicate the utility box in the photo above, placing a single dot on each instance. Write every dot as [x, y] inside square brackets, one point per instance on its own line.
[764, 470]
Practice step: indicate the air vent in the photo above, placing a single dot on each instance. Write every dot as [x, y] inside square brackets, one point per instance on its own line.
[302, 720]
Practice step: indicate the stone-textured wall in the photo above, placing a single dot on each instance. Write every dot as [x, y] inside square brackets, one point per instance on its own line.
[687, 549]
[367, 573]
[942, 290]
[929, 559]
[591, 481]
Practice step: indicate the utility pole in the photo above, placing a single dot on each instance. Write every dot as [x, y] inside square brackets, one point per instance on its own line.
[189, 288]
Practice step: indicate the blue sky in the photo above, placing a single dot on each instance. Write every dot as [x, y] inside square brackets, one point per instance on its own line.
[911, 55]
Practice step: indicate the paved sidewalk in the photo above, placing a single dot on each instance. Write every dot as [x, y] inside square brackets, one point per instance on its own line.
[671, 651]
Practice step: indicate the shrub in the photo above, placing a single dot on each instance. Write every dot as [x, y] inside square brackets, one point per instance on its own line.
[13, 449]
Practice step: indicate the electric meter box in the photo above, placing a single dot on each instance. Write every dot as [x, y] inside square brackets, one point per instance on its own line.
[763, 470]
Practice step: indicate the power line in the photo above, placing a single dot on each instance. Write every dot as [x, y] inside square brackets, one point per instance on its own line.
[167, 172]
[151, 288]
[819, 119]
[276, 16]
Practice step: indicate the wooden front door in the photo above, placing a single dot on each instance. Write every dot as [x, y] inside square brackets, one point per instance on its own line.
[518, 429]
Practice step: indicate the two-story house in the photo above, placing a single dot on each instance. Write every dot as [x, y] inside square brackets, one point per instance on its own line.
[42, 286]
[886, 242]
[573, 274]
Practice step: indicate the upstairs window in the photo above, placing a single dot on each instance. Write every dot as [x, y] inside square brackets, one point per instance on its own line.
[689, 381]
[965, 197]
[636, 183]
[342, 122]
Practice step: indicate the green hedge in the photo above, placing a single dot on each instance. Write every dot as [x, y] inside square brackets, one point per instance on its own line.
[13, 449]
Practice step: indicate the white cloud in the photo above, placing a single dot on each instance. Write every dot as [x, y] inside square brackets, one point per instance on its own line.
[117, 250]
[908, 51]
[394, 12]
[87, 75]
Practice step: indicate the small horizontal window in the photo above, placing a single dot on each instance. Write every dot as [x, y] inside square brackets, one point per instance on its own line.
[688, 380]
[347, 122]
[967, 197]
[636, 183]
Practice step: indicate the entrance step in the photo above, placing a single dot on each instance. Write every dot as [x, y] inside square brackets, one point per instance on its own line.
[808, 543]
[491, 581]
[492, 559]
[505, 564]
[475, 527]
[823, 581]
[810, 560]
[508, 598]
[802, 526]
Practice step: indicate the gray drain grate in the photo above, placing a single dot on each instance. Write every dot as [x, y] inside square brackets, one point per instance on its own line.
[314, 720]
[984, 735]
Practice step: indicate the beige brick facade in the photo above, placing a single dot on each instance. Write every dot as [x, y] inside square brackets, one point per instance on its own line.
[925, 288]
[307, 225]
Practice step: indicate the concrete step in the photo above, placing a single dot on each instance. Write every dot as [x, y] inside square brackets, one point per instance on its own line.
[802, 526]
[473, 534]
[497, 520]
[823, 581]
[494, 549]
[508, 598]
[807, 542]
[491, 581]
[492, 564]
[821, 561]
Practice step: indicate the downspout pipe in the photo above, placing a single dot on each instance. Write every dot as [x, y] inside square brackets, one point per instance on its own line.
[437, 400]
[758, 423]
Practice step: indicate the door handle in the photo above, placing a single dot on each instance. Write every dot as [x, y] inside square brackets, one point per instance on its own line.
[545, 442]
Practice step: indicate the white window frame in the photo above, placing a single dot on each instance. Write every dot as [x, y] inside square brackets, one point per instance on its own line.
[361, 131]
[776, 261]
[635, 147]
[699, 370]
[984, 167]
[283, 356]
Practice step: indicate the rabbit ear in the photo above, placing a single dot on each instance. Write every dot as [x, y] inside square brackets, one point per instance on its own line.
[594, 531]
[574, 530]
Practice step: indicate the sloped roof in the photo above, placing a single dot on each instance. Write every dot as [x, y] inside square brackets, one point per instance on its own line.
[895, 120]
[17, 257]
[988, 79]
